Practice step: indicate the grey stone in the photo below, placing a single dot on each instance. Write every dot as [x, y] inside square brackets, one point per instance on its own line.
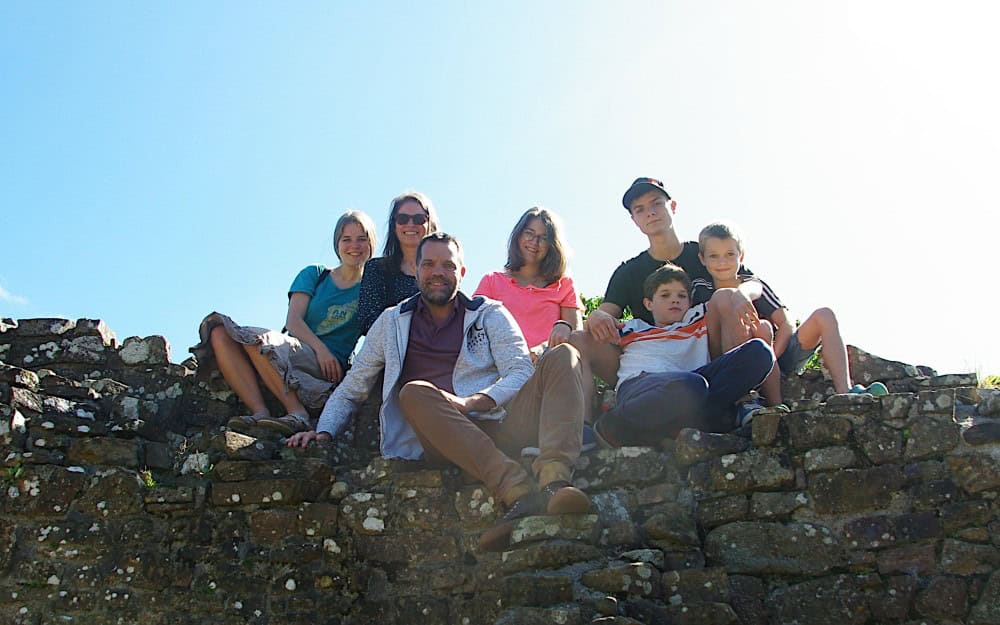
[751, 470]
[879, 442]
[984, 433]
[673, 524]
[829, 458]
[776, 505]
[809, 431]
[962, 558]
[715, 512]
[930, 436]
[975, 473]
[694, 446]
[855, 490]
[836, 600]
[755, 548]
[636, 578]
[943, 598]
[548, 555]
[986, 611]
[626, 466]
[151, 350]
[581, 527]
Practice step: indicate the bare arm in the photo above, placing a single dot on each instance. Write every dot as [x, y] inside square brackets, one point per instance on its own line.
[295, 322]
[782, 331]
[603, 323]
[560, 331]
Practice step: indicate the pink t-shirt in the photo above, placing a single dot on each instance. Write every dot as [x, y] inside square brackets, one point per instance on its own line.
[534, 308]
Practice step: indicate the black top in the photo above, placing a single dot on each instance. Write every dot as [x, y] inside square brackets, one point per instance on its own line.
[625, 286]
[766, 304]
[380, 289]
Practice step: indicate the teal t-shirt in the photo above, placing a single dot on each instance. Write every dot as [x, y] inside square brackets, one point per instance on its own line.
[332, 311]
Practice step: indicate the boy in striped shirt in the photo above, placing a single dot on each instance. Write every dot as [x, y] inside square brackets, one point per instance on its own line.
[666, 380]
[720, 249]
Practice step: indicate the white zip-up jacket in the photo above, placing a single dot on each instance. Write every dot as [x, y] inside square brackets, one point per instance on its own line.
[494, 360]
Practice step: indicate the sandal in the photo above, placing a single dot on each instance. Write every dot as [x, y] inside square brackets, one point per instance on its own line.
[286, 425]
[243, 422]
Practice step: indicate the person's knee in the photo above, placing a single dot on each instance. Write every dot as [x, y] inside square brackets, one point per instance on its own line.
[723, 300]
[218, 335]
[765, 331]
[760, 351]
[826, 318]
[416, 391]
[562, 355]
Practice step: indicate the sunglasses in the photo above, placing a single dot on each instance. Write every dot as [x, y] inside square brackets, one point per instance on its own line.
[402, 219]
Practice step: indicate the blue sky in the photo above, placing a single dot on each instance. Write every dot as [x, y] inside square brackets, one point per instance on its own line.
[161, 161]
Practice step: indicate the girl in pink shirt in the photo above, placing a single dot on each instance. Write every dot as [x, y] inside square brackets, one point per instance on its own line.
[534, 287]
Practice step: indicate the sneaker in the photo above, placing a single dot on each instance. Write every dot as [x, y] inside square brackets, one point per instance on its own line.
[286, 425]
[563, 498]
[242, 422]
[497, 538]
[875, 389]
[746, 410]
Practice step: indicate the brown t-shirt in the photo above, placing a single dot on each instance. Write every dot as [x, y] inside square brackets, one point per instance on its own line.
[433, 349]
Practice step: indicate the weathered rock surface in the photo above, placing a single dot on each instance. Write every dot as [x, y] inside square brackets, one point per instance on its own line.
[125, 499]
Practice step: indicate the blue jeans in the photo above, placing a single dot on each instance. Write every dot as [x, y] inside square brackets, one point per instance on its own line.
[653, 406]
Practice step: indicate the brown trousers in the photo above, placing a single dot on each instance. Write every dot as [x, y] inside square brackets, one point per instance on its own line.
[547, 412]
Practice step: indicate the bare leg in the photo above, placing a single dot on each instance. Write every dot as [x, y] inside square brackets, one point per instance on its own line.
[771, 387]
[725, 329]
[822, 327]
[274, 383]
[596, 358]
[238, 371]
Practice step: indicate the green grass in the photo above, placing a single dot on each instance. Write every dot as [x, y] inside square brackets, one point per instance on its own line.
[147, 478]
[989, 381]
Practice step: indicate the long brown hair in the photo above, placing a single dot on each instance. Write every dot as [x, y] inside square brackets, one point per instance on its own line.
[553, 265]
[392, 253]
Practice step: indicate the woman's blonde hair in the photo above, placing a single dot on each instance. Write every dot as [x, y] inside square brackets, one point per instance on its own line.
[363, 220]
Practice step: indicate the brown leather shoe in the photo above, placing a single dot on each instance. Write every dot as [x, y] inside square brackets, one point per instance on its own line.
[562, 498]
[497, 538]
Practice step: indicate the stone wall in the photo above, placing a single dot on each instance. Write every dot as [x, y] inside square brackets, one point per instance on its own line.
[125, 500]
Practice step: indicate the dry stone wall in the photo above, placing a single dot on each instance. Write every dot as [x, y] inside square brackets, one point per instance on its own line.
[126, 500]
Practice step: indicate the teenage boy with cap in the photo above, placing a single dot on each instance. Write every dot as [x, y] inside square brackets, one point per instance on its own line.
[651, 208]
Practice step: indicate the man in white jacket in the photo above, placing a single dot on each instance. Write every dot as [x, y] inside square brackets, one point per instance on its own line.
[460, 387]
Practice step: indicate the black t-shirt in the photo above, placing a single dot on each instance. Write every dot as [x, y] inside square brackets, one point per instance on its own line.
[625, 286]
[766, 305]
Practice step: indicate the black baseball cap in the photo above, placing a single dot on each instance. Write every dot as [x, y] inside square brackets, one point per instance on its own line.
[640, 186]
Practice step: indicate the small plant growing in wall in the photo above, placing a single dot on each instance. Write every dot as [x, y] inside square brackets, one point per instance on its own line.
[147, 478]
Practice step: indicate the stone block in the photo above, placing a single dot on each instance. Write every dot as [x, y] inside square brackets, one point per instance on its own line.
[695, 586]
[958, 515]
[476, 507]
[105, 451]
[627, 466]
[407, 548]
[673, 524]
[937, 401]
[422, 509]
[809, 431]
[151, 350]
[41, 327]
[756, 548]
[766, 428]
[930, 436]
[975, 473]
[880, 443]
[829, 459]
[962, 558]
[757, 469]
[983, 433]
[530, 589]
[254, 492]
[581, 527]
[563, 615]
[636, 578]
[550, 554]
[920, 559]
[986, 611]
[776, 505]
[944, 598]
[715, 512]
[693, 446]
[365, 513]
[15, 376]
[855, 490]
[835, 600]
[891, 601]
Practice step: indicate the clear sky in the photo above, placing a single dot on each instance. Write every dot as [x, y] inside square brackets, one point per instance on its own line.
[163, 160]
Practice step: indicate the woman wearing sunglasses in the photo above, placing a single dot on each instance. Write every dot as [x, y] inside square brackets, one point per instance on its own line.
[392, 278]
[302, 367]
[534, 286]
